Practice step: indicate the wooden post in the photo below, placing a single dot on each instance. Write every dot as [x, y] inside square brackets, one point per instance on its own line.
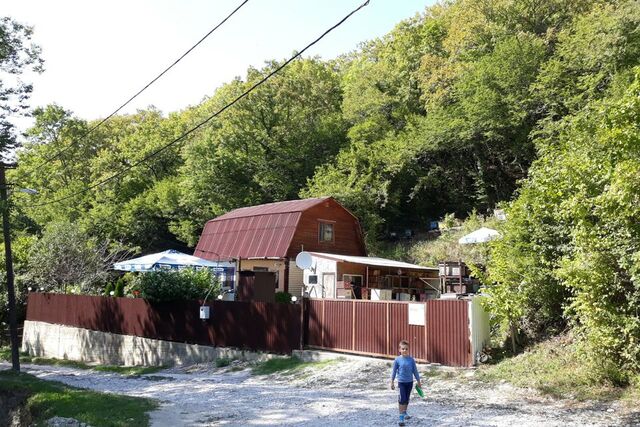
[353, 325]
[323, 326]
[286, 275]
[426, 343]
[388, 350]
[11, 293]
[302, 321]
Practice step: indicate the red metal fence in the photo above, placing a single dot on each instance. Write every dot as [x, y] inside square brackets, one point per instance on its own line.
[354, 326]
[251, 325]
[376, 328]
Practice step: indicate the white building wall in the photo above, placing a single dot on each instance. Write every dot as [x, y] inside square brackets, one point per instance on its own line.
[319, 267]
[479, 328]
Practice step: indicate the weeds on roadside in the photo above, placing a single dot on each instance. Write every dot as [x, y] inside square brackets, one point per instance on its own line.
[439, 373]
[553, 368]
[221, 362]
[130, 371]
[5, 354]
[287, 364]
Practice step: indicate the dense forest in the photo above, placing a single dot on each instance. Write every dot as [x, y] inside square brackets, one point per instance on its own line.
[531, 106]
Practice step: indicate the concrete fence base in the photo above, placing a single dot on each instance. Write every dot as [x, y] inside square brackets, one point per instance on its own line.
[65, 342]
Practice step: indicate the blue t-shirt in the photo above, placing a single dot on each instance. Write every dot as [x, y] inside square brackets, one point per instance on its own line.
[405, 368]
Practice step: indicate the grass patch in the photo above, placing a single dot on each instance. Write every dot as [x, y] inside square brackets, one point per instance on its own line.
[48, 399]
[5, 354]
[221, 362]
[130, 371]
[287, 364]
[553, 368]
[439, 373]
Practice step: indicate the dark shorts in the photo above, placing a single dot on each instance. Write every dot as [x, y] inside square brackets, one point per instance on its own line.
[405, 392]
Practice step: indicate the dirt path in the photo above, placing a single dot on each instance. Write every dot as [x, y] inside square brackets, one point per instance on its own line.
[346, 392]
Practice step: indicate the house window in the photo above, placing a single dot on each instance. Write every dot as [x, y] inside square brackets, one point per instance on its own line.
[313, 279]
[325, 232]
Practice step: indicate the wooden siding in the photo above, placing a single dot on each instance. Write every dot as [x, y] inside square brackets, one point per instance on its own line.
[347, 234]
[296, 279]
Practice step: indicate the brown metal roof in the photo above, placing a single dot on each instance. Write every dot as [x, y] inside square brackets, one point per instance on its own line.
[255, 231]
[272, 208]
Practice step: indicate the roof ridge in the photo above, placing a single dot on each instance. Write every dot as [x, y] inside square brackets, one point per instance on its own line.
[312, 201]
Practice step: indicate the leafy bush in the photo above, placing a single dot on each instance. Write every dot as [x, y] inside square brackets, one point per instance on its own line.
[119, 286]
[283, 297]
[108, 289]
[66, 256]
[173, 285]
[569, 255]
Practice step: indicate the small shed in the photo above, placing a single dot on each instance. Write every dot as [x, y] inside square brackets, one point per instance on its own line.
[360, 277]
[268, 237]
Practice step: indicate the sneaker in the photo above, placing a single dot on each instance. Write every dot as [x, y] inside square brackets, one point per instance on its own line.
[401, 422]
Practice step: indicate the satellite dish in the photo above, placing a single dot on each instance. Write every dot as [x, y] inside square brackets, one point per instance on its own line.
[304, 260]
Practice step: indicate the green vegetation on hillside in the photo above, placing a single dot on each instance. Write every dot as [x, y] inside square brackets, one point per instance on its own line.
[554, 368]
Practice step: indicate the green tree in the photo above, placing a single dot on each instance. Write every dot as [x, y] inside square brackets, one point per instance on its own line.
[65, 256]
[17, 55]
[591, 55]
[267, 146]
[569, 253]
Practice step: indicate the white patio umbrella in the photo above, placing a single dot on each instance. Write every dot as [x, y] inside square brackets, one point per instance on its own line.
[166, 259]
[481, 235]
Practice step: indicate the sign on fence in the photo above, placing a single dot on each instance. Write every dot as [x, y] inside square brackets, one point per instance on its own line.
[416, 314]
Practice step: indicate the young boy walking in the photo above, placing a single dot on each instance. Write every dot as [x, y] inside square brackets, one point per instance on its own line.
[404, 367]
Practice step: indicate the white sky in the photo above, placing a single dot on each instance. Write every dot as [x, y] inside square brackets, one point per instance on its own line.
[98, 54]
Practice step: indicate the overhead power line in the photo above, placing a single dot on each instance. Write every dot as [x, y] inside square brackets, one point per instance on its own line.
[207, 120]
[88, 132]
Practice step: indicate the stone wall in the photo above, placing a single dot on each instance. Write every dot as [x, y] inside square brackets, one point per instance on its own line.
[64, 342]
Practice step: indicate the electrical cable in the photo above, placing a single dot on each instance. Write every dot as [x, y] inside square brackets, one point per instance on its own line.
[207, 120]
[58, 154]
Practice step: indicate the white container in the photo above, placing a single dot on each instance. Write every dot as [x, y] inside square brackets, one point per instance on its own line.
[403, 297]
[380, 294]
[204, 312]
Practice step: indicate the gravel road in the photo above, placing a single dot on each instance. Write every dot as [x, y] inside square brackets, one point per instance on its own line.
[350, 391]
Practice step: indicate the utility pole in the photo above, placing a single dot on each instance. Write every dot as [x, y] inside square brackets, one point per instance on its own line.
[11, 293]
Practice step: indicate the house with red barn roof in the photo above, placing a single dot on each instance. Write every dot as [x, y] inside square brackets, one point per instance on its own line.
[269, 237]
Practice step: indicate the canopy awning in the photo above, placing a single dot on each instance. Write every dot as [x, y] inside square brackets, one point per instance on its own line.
[481, 235]
[373, 261]
[169, 259]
